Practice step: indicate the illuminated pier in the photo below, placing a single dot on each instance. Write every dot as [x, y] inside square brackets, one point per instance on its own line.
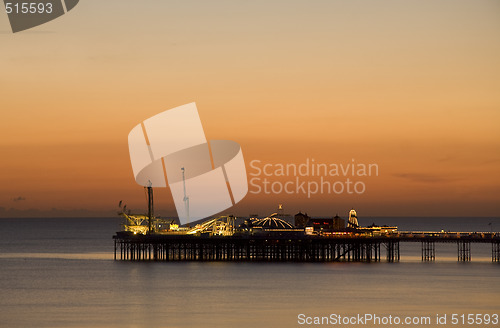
[273, 238]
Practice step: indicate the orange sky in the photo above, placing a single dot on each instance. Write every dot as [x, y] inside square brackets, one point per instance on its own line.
[412, 86]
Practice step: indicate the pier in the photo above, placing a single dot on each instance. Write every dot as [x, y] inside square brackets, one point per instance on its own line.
[292, 248]
[272, 238]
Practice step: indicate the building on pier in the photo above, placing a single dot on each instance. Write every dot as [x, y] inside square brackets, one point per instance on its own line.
[379, 230]
[269, 226]
[327, 224]
[301, 219]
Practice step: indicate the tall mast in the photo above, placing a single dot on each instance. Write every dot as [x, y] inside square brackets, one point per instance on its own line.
[150, 207]
[186, 198]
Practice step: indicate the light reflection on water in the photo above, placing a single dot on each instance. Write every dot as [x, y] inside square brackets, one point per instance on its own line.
[110, 257]
[64, 276]
[87, 293]
[63, 256]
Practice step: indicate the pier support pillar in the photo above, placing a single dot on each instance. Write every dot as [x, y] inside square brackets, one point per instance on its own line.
[428, 250]
[392, 251]
[495, 251]
[463, 251]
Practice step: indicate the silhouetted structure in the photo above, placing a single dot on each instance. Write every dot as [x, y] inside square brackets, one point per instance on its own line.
[301, 220]
[365, 248]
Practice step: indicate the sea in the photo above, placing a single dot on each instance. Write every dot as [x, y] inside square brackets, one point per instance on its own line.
[60, 272]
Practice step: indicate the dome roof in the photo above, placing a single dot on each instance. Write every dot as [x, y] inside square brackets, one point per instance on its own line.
[272, 223]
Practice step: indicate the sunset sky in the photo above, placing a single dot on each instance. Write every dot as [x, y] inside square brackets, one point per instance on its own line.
[413, 86]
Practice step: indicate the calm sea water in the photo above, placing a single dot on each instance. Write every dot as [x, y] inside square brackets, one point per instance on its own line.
[61, 273]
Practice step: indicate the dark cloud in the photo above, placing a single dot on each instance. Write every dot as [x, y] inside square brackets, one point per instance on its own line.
[19, 198]
[52, 213]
